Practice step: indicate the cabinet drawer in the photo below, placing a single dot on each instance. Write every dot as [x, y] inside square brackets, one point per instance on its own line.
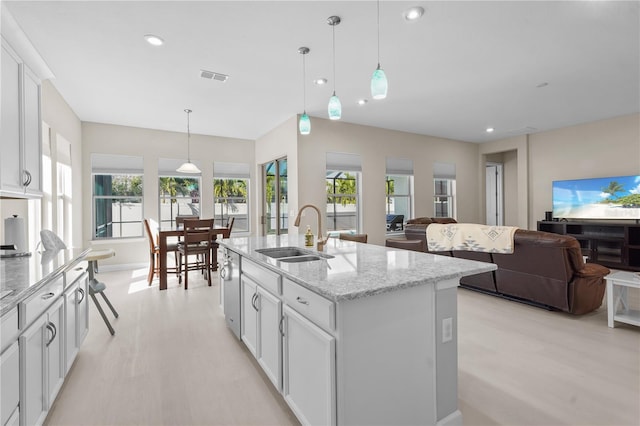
[316, 308]
[8, 328]
[36, 304]
[266, 278]
[76, 271]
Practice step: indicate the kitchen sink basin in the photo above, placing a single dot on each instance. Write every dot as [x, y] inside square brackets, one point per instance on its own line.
[293, 254]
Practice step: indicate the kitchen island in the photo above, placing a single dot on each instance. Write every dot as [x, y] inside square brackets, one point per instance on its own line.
[363, 334]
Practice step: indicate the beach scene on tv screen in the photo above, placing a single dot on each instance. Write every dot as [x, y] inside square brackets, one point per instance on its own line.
[599, 198]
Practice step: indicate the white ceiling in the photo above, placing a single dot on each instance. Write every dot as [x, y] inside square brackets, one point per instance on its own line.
[463, 67]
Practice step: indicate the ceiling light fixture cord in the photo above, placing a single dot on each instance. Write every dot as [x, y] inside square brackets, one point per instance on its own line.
[335, 107]
[379, 82]
[188, 111]
[304, 124]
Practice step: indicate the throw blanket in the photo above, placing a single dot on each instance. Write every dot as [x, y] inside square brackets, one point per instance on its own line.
[470, 237]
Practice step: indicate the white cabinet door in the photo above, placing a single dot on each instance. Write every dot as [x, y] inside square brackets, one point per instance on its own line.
[54, 346]
[70, 325]
[269, 350]
[249, 314]
[9, 382]
[32, 145]
[10, 109]
[33, 402]
[309, 370]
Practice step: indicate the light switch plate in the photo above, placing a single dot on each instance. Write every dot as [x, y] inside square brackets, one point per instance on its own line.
[447, 330]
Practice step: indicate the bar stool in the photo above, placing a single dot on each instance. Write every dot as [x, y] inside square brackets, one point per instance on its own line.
[96, 286]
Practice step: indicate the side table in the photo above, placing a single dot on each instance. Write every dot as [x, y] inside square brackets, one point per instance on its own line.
[618, 284]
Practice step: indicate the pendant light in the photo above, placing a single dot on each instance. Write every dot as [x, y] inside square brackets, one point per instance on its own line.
[305, 123]
[335, 107]
[379, 79]
[188, 167]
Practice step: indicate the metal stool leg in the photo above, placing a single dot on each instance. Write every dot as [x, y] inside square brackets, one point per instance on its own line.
[115, 314]
[104, 317]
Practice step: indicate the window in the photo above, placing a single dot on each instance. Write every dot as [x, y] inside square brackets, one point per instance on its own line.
[117, 196]
[444, 179]
[276, 197]
[444, 198]
[343, 184]
[398, 191]
[342, 201]
[179, 196]
[231, 194]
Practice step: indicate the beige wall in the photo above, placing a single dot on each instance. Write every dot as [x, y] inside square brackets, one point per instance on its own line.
[153, 145]
[598, 149]
[374, 145]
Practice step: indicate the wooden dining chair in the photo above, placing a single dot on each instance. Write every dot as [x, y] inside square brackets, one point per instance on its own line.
[358, 238]
[197, 240]
[229, 224]
[151, 229]
[415, 245]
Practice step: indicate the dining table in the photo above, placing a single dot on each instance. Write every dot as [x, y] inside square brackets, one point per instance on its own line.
[178, 231]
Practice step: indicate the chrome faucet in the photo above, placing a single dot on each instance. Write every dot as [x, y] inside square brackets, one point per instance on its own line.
[321, 242]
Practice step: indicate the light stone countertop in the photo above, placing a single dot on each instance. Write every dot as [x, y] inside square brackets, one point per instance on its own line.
[20, 277]
[356, 270]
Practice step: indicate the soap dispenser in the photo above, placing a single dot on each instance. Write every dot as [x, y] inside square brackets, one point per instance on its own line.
[308, 237]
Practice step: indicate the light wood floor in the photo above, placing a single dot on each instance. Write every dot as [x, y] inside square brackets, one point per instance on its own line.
[173, 362]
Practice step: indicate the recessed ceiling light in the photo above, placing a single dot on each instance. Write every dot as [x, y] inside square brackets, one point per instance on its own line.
[154, 40]
[320, 81]
[362, 101]
[413, 13]
[490, 129]
[543, 84]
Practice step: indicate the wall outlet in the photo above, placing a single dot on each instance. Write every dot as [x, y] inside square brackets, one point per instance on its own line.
[447, 330]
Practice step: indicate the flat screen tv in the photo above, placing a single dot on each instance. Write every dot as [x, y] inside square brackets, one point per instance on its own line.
[616, 197]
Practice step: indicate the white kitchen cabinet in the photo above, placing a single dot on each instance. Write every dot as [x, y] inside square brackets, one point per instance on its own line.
[41, 364]
[269, 350]
[75, 308]
[9, 383]
[20, 141]
[249, 314]
[309, 370]
[261, 316]
[10, 163]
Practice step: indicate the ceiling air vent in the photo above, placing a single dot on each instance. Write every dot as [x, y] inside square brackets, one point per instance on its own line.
[210, 75]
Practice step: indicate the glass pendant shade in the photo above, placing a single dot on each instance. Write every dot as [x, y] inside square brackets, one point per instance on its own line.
[188, 167]
[335, 108]
[379, 84]
[305, 124]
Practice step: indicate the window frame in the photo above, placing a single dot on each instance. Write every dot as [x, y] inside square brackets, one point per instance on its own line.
[172, 220]
[409, 195]
[247, 200]
[449, 194]
[357, 177]
[94, 198]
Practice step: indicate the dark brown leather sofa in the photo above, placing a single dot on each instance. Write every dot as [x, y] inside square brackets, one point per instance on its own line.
[545, 269]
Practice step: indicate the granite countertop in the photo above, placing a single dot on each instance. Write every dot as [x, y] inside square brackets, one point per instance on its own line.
[20, 277]
[356, 270]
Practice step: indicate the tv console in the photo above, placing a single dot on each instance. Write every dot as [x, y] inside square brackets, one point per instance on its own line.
[614, 245]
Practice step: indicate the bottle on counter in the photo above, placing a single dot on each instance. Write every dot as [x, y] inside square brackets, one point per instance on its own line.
[308, 237]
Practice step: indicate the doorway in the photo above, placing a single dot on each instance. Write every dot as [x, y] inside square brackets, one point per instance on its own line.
[275, 218]
[494, 194]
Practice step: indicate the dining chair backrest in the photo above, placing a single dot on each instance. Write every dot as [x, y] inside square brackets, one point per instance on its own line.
[230, 223]
[151, 228]
[359, 238]
[180, 219]
[198, 231]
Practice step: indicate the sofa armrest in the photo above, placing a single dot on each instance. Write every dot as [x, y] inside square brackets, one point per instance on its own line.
[592, 270]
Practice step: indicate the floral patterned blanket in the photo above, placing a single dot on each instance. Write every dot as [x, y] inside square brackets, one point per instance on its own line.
[470, 237]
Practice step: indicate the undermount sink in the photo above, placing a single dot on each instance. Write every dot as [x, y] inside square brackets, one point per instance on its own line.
[293, 254]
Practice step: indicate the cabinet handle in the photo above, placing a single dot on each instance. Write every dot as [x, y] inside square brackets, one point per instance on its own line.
[81, 291]
[280, 326]
[254, 301]
[301, 300]
[27, 180]
[52, 327]
[223, 273]
[47, 296]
